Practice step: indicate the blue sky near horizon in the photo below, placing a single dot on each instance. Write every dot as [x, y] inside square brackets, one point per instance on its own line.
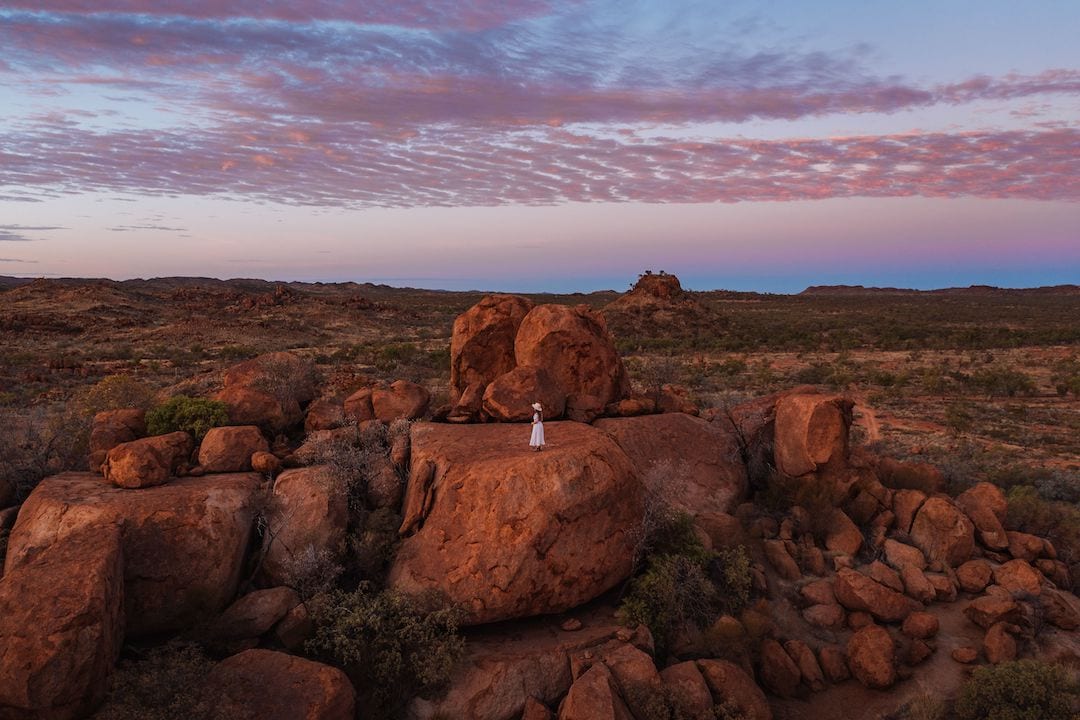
[543, 144]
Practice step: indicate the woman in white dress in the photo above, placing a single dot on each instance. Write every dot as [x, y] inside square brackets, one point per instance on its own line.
[536, 442]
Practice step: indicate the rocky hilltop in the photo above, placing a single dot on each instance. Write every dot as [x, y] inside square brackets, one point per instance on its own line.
[762, 564]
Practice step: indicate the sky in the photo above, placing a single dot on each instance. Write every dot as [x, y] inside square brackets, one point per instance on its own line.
[543, 145]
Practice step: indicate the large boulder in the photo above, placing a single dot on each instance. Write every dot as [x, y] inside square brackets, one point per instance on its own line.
[691, 463]
[308, 516]
[510, 396]
[260, 684]
[593, 696]
[511, 533]
[254, 614]
[250, 406]
[731, 685]
[500, 672]
[810, 431]
[400, 400]
[111, 428]
[943, 532]
[147, 462]
[184, 543]
[574, 345]
[229, 449]
[324, 414]
[61, 626]
[856, 591]
[985, 504]
[779, 673]
[279, 374]
[482, 343]
[688, 690]
[871, 656]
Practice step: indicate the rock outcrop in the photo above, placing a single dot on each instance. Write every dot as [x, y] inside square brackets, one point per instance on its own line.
[260, 684]
[229, 449]
[694, 464]
[308, 515]
[61, 626]
[510, 533]
[111, 428]
[810, 431]
[482, 343]
[510, 396]
[184, 543]
[147, 462]
[573, 344]
[943, 532]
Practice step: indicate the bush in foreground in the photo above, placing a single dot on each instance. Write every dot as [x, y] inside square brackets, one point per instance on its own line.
[392, 645]
[1019, 690]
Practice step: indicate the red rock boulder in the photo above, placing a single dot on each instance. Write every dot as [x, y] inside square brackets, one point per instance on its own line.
[307, 517]
[279, 374]
[111, 428]
[61, 626]
[482, 343]
[400, 400]
[730, 684]
[943, 532]
[693, 464]
[856, 591]
[147, 462]
[688, 689]
[250, 406]
[229, 449]
[510, 533]
[810, 431]
[573, 344]
[184, 543]
[871, 656]
[500, 672]
[510, 396]
[260, 684]
[593, 696]
[324, 414]
[985, 504]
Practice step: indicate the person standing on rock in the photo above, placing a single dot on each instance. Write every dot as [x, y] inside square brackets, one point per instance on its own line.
[536, 442]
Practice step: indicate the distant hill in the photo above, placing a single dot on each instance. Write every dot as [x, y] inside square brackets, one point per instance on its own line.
[970, 290]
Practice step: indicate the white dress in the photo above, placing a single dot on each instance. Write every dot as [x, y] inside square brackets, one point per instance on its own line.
[537, 439]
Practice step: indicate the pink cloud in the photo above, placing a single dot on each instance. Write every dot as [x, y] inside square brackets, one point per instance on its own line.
[441, 14]
[346, 164]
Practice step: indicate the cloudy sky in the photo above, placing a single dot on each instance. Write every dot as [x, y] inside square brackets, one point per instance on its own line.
[543, 144]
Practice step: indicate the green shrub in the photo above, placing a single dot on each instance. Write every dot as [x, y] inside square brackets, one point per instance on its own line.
[730, 573]
[674, 588]
[113, 393]
[192, 415]
[1003, 381]
[161, 685]
[1019, 690]
[673, 591]
[392, 645]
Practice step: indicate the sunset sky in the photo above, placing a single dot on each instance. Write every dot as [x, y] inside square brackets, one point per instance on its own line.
[537, 145]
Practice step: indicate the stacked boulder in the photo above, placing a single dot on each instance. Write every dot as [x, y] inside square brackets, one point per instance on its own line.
[506, 353]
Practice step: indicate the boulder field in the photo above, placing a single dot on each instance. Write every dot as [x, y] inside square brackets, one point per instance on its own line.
[860, 571]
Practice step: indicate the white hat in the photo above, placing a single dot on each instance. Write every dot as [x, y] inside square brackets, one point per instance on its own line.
[537, 406]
